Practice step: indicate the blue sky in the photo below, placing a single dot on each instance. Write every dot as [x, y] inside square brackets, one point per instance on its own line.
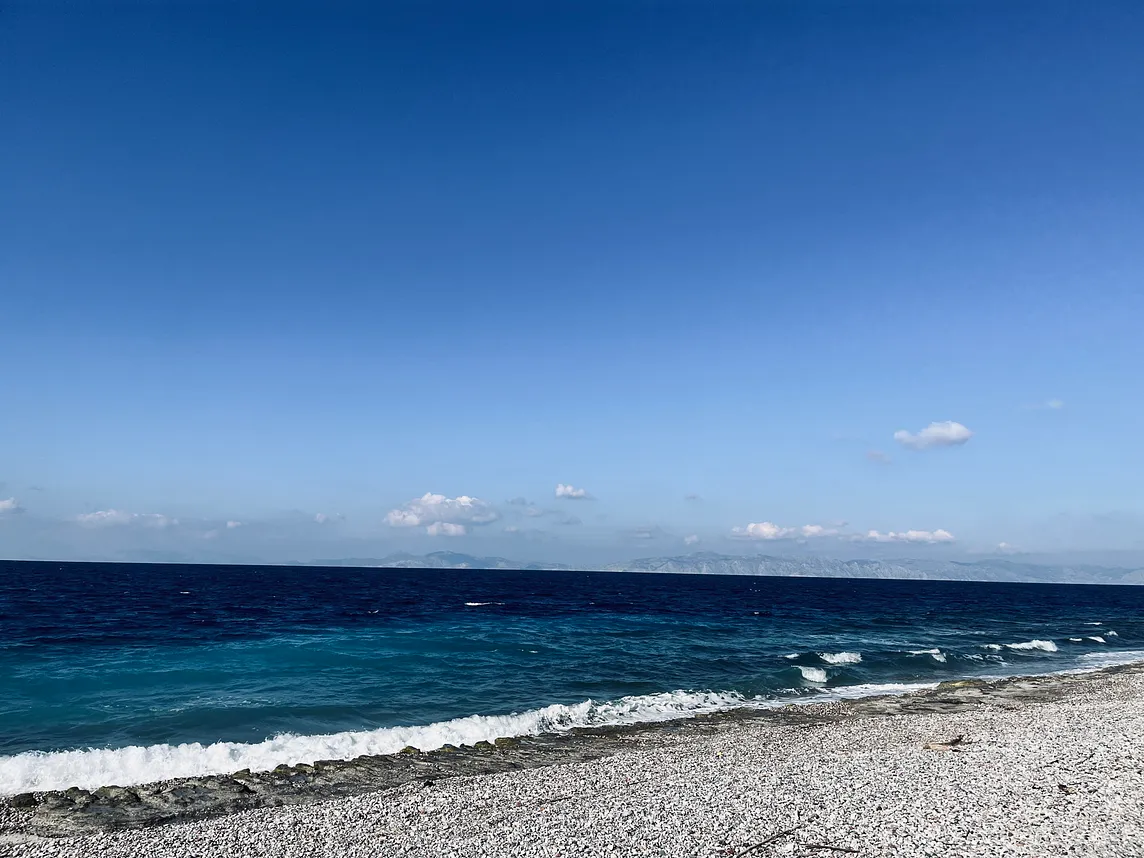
[269, 263]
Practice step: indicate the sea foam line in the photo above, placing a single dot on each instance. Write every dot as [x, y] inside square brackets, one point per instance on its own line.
[93, 767]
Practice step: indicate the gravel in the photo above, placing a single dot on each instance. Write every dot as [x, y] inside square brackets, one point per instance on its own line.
[1036, 779]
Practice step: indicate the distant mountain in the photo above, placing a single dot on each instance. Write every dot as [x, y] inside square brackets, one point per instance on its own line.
[439, 560]
[994, 569]
[709, 563]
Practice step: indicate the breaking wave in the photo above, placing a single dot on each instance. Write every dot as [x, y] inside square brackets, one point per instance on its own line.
[935, 654]
[1045, 646]
[812, 674]
[94, 767]
[841, 657]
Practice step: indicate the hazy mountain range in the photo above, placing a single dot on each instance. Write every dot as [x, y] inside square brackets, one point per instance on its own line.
[710, 563]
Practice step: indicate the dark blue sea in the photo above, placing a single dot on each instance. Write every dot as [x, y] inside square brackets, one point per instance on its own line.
[122, 674]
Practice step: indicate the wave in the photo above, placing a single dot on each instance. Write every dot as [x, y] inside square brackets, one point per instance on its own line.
[935, 654]
[812, 674]
[94, 767]
[1045, 646]
[1097, 638]
[481, 604]
[840, 657]
[1110, 633]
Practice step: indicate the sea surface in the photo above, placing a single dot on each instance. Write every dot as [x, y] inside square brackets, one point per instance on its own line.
[127, 673]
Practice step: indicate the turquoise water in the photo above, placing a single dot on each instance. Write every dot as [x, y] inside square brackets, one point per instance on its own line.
[122, 673]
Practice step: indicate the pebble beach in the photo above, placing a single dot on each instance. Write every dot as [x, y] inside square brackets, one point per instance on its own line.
[1009, 777]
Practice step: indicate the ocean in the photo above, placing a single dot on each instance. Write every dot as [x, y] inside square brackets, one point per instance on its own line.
[128, 673]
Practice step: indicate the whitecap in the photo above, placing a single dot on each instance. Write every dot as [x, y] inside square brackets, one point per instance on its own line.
[481, 604]
[992, 646]
[840, 657]
[1097, 638]
[1045, 646]
[935, 654]
[94, 767]
[1076, 640]
[791, 655]
[1094, 624]
[812, 674]
[1110, 633]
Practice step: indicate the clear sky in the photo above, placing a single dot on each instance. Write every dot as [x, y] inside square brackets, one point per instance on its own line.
[295, 266]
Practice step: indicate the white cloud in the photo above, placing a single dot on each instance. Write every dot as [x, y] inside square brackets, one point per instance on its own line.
[112, 517]
[512, 528]
[231, 525]
[534, 511]
[769, 530]
[445, 528]
[1055, 404]
[928, 537]
[433, 509]
[321, 518]
[10, 505]
[1006, 548]
[945, 433]
[690, 540]
[567, 491]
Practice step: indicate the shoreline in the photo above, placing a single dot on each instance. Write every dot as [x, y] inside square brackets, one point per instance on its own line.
[175, 803]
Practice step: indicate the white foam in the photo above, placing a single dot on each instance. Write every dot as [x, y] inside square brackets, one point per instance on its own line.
[791, 655]
[1094, 624]
[812, 674]
[992, 646]
[840, 657]
[1097, 638]
[94, 767]
[1076, 640]
[1110, 633]
[1046, 646]
[935, 654]
[481, 604]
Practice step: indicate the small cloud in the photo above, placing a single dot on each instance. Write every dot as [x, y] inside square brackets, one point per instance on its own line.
[1055, 404]
[231, 525]
[878, 457]
[570, 492]
[518, 501]
[431, 509]
[1005, 548]
[116, 517]
[762, 530]
[768, 530]
[692, 497]
[10, 507]
[945, 433]
[445, 528]
[534, 511]
[927, 537]
[570, 521]
[691, 540]
[512, 528]
[646, 533]
[321, 518]
[36, 489]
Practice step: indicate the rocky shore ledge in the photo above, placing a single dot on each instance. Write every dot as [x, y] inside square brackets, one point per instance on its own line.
[1027, 766]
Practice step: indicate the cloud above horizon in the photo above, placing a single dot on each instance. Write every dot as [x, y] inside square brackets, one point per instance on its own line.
[118, 518]
[568, 491]
[945, 433]
[431, 509]
[769, 530]
[10, 506]
[922, 537]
